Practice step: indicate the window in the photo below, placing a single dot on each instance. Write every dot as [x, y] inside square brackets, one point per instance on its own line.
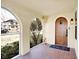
[76, 25]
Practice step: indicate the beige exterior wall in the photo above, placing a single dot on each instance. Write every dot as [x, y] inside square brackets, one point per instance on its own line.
[49, 31]
[25, 16]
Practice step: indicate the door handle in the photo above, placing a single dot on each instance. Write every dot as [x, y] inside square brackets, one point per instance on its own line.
[66, 32]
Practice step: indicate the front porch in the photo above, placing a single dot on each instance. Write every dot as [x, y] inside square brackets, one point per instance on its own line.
[43, 51]
[26, 11]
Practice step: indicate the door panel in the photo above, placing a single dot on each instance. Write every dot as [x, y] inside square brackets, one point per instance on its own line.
[61, 31]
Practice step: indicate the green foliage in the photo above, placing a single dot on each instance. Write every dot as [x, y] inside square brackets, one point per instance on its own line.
[36, 27]
[37, 39]
[10, 50]
[39, 25]
[33, 26]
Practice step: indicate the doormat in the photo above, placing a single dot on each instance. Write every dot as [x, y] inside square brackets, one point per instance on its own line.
[60, 47]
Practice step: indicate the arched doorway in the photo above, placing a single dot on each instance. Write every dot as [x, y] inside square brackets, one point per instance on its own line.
[61, 31]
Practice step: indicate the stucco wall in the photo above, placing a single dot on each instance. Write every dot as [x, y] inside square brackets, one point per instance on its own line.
[49, 30]
[24, 17]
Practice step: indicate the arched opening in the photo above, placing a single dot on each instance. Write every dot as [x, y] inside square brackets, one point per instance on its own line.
[36, 32]
[10, 34]
[61, 31]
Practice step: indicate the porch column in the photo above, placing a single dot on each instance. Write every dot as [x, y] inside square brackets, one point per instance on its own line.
[24, 43]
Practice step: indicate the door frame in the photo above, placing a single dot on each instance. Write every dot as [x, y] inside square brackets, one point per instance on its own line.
[55, 28]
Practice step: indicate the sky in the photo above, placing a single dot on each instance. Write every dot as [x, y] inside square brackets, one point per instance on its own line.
[6, 15]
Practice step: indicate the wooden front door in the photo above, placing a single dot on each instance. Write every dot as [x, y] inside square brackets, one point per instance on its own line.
[61, 31]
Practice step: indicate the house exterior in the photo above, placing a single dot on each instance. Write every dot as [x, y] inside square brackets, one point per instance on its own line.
[10, 26]
[55, 16]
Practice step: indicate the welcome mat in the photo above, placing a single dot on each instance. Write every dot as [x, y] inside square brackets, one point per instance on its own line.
[60, 47]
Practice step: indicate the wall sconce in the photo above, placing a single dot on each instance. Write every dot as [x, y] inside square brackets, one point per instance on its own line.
[45, 18]
[71, 21]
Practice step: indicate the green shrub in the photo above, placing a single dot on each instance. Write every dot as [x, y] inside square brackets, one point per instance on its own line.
[36, 36]
[10, 50]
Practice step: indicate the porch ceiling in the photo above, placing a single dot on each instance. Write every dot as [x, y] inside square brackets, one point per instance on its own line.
[44, 7]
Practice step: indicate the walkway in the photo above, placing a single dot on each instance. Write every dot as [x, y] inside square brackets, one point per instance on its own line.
[43, 51]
